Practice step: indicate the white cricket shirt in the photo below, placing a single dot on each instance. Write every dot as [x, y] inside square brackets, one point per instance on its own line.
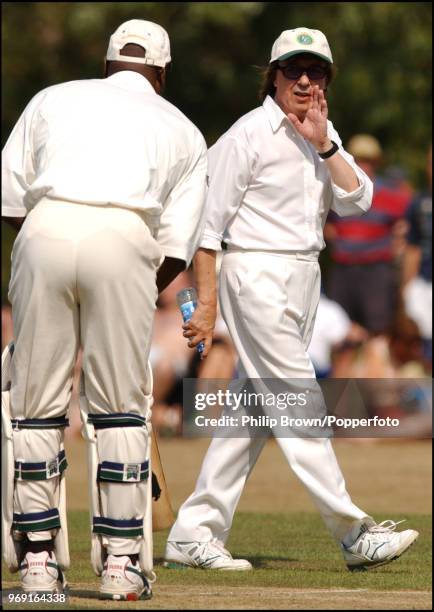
[269, 189]
[110, 141]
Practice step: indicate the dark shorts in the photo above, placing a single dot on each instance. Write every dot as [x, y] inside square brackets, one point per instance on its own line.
[367, 292]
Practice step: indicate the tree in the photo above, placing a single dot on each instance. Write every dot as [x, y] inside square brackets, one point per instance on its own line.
[382, 50]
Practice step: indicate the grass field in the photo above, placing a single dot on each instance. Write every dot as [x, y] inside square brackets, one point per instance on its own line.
[297, 565]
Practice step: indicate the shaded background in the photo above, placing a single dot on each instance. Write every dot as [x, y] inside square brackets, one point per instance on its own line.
[382, 51]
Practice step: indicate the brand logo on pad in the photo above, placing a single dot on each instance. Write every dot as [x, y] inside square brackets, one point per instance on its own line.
[52, 468]
[132, 472]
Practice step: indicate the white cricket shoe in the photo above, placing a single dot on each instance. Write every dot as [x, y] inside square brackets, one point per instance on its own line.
[40, 573]
[378, 545]
[203, 555]
[123, 581]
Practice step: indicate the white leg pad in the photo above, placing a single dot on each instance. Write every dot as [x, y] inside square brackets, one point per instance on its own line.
[120, 486]
[9, 545]
[33, 484]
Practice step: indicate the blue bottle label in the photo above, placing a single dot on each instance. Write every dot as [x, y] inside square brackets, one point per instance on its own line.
[187, 310]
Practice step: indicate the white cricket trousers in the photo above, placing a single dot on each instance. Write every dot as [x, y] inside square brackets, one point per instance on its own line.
[269, 302]
[81, 275]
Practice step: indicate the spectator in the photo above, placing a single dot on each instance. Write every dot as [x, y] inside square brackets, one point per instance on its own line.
[395, 178]
[395, 355]
[395, 382]
[172, 359]
[363, 279]
[417, 268]
[333, 332]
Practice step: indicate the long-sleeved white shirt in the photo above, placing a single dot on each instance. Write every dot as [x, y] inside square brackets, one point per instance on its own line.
[110, 141]
[269, 189]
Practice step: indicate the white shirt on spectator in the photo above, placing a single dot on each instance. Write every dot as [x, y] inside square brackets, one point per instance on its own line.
[269, 189]
[332, 325]
[115, 142]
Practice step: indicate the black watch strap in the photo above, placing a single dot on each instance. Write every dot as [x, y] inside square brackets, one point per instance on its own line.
[330, 152]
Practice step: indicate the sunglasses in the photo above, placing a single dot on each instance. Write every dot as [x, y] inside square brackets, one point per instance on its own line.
[294, 72]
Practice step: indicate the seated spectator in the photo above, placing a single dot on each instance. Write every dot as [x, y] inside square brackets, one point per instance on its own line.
[172, 359]
[399, 354]
[170, 356]
[333, 332]
[395, 384]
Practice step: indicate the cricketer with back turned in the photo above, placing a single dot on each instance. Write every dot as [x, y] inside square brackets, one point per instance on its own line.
[109, 179]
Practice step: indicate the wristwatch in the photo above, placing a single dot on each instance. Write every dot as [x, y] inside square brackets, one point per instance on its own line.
[330, 152]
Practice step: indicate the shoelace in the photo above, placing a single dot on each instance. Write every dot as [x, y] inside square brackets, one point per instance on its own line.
[382, 531]
[385, 526]
[208, 547]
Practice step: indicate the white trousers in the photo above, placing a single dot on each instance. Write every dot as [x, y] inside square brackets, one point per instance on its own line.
[269, 302]
[81, 275]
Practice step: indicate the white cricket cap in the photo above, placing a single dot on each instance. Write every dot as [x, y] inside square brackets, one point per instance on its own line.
[301, 40]
[152, 37]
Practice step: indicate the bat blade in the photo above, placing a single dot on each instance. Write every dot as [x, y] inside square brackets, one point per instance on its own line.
[162, 514]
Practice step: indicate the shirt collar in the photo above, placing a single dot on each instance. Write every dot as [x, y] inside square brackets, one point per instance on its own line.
[274, 113]
[131, 80]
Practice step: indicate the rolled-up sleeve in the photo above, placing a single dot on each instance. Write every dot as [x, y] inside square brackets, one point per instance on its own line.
[356, 202]
[182, 220]
[229, 172]
[18, 170]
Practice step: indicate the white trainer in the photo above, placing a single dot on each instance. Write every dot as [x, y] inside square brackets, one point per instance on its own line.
[123, 581]
[40, 573]
[203, 555]
[378, 545]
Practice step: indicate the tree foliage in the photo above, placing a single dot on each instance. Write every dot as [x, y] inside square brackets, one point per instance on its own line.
[382, 51]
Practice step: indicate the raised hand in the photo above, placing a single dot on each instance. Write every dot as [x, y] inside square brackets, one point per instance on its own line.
[314, 126]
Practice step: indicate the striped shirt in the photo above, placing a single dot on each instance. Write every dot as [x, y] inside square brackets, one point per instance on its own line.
[368, 239]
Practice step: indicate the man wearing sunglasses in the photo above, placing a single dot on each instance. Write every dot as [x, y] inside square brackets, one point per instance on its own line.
[273, 177]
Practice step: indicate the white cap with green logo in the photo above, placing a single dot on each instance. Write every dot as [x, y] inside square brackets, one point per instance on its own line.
[301, 40]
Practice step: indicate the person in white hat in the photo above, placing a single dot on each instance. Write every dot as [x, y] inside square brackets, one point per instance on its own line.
[109, 179]
[273, 177]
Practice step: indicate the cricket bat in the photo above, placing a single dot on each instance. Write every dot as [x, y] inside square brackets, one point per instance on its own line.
[162, 513]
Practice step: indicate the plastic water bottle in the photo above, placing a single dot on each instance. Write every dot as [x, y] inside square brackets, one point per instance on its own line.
[187, 302]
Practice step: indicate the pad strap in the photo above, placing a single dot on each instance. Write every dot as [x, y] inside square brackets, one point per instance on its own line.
[58, 423]
[120, 419]
[43, 470]
[108, 471]
[36, 521]
[118, 528]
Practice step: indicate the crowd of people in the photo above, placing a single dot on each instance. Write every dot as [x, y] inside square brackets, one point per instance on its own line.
[375, 309]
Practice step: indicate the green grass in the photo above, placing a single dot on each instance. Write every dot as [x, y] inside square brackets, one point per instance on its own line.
[296, 551]
[287, 550]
